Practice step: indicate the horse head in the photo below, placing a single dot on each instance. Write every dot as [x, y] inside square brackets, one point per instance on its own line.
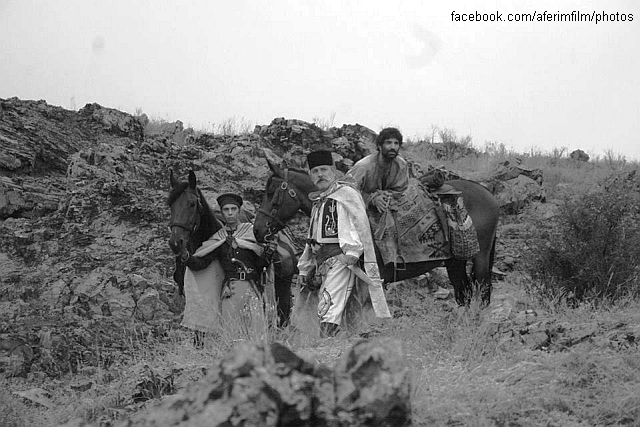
[192, 220]
[287, 191]
[186, 207]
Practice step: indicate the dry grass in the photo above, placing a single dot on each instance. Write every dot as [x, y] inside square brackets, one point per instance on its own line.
[463, 375]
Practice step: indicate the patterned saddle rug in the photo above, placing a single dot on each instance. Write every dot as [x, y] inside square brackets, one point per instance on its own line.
[413, 229]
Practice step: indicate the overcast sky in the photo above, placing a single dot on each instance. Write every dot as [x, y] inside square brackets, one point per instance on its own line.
[529, 85]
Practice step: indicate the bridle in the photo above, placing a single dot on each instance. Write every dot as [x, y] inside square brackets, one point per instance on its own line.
[274, 223]
[194, 222]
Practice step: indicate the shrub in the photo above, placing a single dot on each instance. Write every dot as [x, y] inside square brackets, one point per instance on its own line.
[591, 249]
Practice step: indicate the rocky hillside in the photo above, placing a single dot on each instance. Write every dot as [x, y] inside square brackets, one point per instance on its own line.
[83, 234]
[83, 219]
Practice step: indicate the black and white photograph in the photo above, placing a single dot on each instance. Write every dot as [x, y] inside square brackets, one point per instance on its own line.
[319, 213]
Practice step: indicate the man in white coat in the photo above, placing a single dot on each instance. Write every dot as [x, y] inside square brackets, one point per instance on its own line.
[339, 234]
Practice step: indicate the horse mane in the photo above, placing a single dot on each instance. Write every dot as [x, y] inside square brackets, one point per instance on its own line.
[210, 223]
[300, 170]
[303, 182]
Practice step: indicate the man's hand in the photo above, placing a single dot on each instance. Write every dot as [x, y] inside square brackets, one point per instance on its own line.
[381, 201]
[270, 249]
[271, 245]
[348, 259]
[301, 280]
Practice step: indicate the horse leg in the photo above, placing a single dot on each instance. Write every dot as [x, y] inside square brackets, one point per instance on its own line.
[482, 266]
[457, 270]
[178, 275]
[283, 299]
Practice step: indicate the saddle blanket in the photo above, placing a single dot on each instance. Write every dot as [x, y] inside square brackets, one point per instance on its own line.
[411, 229]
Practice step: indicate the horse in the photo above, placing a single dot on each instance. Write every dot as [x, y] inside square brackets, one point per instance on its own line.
[193, 221]
[287, 191]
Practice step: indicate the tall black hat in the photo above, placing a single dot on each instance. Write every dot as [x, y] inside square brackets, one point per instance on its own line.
[229, 199]
[319, 158]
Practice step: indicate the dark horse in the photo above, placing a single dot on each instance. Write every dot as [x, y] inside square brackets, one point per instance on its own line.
[288, 190]
[193, 221]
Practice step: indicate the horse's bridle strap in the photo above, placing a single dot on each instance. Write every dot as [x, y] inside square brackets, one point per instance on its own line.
[192, 226]
[277, 199]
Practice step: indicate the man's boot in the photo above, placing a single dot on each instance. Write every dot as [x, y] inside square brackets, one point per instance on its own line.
[328, 329]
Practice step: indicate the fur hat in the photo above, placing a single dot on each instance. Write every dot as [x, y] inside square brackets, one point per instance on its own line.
[319, 158]
[229, 199]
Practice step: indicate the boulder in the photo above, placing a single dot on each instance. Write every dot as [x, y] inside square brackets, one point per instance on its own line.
[38, 137]
[292, 134]
[579, 155]
[515, 194]
[510, 169]
[372, 385]
[292, 140]
[515, 186]
[114, 121]
[629, 181]
[147, 304]
[352, 143]
[258, 386]
[166, 131]
[27, 197]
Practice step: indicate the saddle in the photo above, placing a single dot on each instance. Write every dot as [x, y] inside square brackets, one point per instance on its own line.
[412, 229]
[445, 190]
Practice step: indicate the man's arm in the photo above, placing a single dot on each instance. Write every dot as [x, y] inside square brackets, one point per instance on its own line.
[306, 262]
[348, 237]
[197, 263]
[360, 173]
[397, 183]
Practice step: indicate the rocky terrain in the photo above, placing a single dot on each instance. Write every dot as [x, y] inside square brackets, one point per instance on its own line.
[83, 227]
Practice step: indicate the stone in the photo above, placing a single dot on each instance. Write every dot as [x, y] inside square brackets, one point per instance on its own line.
[373, 385]
[147, 304]
[579, 155]
[257, 386]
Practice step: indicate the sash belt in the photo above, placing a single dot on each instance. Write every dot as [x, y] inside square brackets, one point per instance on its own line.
[327, 251]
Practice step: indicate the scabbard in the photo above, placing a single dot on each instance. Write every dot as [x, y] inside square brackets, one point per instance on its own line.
[378, 300]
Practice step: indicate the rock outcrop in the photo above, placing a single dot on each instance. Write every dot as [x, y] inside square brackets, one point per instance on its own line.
[83, 218]
[254, 386]
[515, 186]
[579, 155]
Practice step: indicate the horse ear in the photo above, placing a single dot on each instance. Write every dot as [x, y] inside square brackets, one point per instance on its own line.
[275, 169]
[172, 179]
[192, 179]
